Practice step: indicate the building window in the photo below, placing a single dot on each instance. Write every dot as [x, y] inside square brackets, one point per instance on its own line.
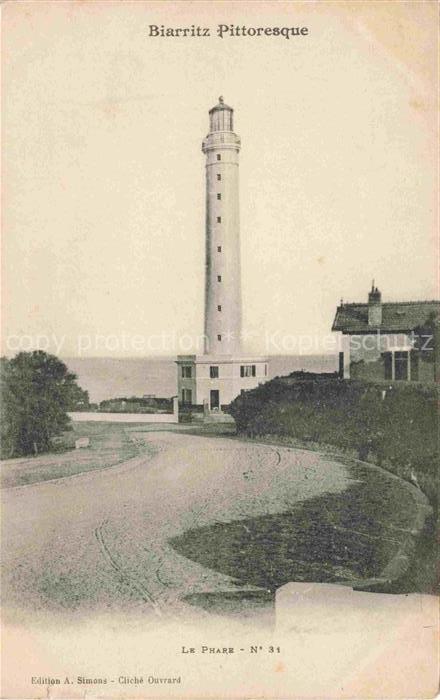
[219, 177]
[248, 370]
[265, 370]
[388, 365]
[219, 307]
[219, 278]
[187, 396]
[414, 366]
[219, 195]
[219, 219]
[219, 156]
[400, 365]
[219, 337]
[186, 371]
[219, 249]
[213, 372]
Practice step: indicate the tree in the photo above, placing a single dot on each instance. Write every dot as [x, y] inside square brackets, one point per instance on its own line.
[37, 391]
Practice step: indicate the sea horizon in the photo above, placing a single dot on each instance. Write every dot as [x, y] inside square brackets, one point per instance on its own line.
[112, 377]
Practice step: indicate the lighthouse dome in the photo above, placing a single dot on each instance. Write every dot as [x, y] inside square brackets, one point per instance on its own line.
[221, 117]
[221, 105]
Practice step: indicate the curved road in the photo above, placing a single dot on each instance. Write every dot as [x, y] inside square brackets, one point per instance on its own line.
[100, 540]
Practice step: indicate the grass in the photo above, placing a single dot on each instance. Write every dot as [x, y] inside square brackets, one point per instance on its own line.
[330, 538]
[110, 444]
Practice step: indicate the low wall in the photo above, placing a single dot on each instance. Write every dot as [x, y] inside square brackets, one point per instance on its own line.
[83, 416]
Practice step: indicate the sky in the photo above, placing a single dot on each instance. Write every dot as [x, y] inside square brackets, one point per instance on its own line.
[103, 174]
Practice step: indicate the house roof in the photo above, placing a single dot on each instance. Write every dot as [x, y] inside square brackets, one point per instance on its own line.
[397, 317]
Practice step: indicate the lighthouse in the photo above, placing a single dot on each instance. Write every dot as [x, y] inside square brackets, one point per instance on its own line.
[214, 378]
[222, 279]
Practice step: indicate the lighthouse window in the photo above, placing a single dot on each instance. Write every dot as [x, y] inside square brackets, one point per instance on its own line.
[247, 371]
[219, 219]
[219, 156]
[219, 337]
[219, 196]
[213, 372]
[219, 249]
[219, 278]
[219, 177]
[219, 307]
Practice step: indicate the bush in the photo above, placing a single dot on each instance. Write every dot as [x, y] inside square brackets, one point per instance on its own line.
[37, 390]
[392, 425]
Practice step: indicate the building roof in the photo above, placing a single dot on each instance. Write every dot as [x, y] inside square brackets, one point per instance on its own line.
[397, 317]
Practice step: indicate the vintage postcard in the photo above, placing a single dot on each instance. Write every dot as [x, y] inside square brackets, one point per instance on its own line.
[220, 349]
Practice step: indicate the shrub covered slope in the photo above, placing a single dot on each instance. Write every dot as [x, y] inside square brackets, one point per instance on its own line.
[395, 426]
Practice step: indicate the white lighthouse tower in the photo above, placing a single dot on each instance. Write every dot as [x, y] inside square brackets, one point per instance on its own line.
[223, 279]
[215, 378]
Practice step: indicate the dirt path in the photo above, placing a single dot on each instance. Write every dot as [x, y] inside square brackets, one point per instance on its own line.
[101, 540]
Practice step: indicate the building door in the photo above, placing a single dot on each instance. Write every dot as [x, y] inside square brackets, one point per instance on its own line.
[214, 403]
[341, 365]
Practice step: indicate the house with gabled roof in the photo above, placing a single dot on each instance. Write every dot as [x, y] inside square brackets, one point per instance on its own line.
[389, 341]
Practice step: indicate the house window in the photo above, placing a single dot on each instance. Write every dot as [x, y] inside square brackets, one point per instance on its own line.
[219, 177]
[414, 366]
[248, 371]
[187, 396]
[213, 372]
[219, 219]
[219, 307]
[219, 278]
[397, 366]
[265, 370]
[219, 156]
[219, 249]
[219, 195]
[186, 371]
[388, 365]
[219, 337]
[400, 365]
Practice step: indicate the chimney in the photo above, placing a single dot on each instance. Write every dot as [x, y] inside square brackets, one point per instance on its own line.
[374, 306]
